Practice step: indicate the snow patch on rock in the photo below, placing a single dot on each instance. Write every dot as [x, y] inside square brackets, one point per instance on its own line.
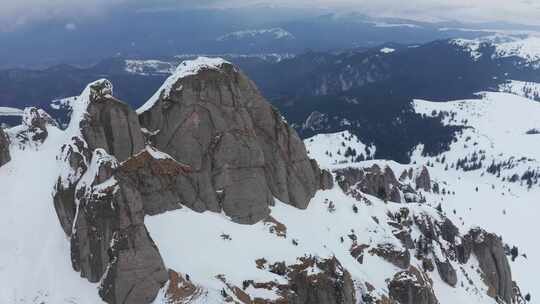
[185, 69]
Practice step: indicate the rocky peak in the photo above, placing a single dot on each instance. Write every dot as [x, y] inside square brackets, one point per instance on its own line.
[211, 117]
[34, 128]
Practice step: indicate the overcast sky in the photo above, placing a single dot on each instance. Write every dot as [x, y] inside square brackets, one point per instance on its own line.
[14, 13]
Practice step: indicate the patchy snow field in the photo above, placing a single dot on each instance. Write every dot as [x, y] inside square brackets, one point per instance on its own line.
[500, 130]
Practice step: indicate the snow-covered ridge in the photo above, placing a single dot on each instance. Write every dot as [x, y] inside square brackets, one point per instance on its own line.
[8, 111]
[392, 25]
[149, 67]
[274, 33]
[529, 90]
[387, 50]
[185, 69]
[526, 48]
[79, 105]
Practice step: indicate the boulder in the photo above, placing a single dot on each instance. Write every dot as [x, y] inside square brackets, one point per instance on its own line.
[212, 118]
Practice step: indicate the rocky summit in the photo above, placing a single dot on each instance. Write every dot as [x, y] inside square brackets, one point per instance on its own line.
[242, 153]
[205, 194]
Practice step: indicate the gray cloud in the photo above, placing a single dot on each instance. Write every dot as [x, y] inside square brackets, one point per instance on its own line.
[15, 13]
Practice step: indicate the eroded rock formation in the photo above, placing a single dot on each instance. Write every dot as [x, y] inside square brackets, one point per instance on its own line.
[412, 287]
[100, 207]
[242, 153]
[374, 181]
[489, 251]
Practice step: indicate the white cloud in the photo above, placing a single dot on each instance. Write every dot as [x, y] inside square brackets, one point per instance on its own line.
[519, 11]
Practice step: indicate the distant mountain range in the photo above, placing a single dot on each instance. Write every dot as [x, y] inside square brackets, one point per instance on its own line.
[367, 91]
[154, 34]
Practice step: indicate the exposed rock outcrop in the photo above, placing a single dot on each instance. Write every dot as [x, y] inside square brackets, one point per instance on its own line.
[412, 287]
[447, 272]
[398, 257]
[332, 286]
[489, 251]
[34, 128]
[211, 117]
[100, 206]
[111, 124]
[162, 181]
[109, 242]
[5, 157]
[423, 180]
[373, 181]
[74, 158]
[311, 280]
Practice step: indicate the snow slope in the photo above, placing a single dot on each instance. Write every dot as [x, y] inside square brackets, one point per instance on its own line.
[331, 149]
[530, 90]
[317, 231]
[35, 262]
[526, 48]
[498, 131]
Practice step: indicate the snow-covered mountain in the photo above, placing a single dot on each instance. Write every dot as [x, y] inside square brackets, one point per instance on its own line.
[206, 195]
[525, 49]
[271, 33]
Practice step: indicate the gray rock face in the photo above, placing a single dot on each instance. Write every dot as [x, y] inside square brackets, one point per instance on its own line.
[136, 270]
[241, 152]
[423, 180]
[100, 206]
[163, 183]
[75, 155]
[489, 251]
[447, 272]
[412, 287]
[373, 181]
[5, 157]
[399, 258]
[113, 126]
[109, 242]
